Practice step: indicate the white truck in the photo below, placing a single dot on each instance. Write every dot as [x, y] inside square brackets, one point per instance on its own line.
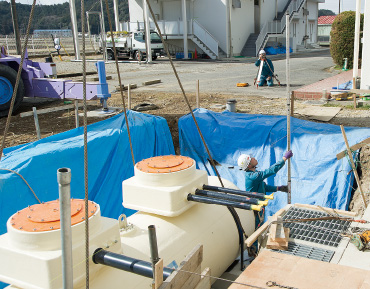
[132, 45]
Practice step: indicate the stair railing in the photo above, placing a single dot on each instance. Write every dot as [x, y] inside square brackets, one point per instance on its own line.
[203, 35]
[277, 26]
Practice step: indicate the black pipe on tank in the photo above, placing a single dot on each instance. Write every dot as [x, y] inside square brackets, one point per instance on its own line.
[125, 263]
[235, 192]
[224, 196]
[207, 200]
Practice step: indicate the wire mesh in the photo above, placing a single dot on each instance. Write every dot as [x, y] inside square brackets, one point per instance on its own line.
[325, 232]
[308, 252]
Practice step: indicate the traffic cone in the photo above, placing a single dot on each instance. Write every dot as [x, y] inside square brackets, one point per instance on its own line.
[195, 54]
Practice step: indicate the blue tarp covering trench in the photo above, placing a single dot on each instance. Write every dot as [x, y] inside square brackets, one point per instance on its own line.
[109, 160]
[318, 178]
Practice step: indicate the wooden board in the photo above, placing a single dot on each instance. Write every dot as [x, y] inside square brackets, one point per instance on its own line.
[319, 113]
[191, 263]
[328, 210]
[280, 244]
[353, 148]
[299, 272]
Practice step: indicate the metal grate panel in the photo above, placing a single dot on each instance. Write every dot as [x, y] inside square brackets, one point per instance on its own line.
[321, 232]
[308, 252]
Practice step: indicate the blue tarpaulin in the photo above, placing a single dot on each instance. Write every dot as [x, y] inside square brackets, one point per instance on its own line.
[109, 163]
[318, 178]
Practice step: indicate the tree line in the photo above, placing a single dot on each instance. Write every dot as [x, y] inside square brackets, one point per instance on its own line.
[58, 16]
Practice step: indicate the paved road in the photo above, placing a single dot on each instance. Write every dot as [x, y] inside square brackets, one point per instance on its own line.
[220, 76]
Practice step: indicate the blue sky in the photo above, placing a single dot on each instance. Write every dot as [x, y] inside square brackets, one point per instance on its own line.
[344, 5]
[329, 4]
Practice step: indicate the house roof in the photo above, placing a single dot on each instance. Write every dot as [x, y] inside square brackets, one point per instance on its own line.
[326, 20]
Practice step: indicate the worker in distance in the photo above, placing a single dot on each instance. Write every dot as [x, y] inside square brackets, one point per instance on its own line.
[265, 71]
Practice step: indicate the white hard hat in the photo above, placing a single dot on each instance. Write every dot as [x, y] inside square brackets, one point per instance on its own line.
[262, 52]
[244, 161]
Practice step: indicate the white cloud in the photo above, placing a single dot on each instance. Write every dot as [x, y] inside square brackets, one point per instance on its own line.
[345, 5]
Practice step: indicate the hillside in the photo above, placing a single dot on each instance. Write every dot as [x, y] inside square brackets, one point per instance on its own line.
[56, 16]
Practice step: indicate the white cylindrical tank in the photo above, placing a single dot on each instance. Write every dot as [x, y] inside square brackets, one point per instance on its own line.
[210, 225]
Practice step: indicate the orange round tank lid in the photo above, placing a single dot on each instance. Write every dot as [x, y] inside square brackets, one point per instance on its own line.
[165, 164]
[46, 216]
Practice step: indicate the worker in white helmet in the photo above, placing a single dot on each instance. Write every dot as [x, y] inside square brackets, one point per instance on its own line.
[254, 180]
[267, 67]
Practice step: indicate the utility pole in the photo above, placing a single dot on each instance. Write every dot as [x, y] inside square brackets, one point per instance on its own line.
[15, 27]
[339, 8]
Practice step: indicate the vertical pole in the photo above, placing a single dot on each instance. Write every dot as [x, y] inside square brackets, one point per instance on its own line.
[353, 165]
[287, 23]
[147, 32]
[103, 31]
[153, 246]
[76, 114]
[116, 14]
[72, 8]
[15, 27]
[129, 96]
[185, 29]
[228, 30]
[197, 94]
[36, 119]
[357, 45]
[64, 181]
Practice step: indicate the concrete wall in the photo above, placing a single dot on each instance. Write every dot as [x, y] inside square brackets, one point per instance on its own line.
[365, 66]
[211, 14]
[242, 24]
[267, 11]
[136, 10]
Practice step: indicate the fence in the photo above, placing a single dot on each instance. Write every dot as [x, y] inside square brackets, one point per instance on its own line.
[43, 46]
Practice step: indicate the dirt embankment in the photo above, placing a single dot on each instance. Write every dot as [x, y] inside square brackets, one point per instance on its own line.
[172, 107]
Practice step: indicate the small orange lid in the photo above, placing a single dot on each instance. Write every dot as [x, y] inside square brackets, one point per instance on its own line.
[46, 216]
[165, 164]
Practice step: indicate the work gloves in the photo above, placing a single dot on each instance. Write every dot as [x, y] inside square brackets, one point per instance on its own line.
[288, 154]
[282, 189]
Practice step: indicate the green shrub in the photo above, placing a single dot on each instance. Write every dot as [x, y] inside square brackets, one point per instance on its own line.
[343, 37]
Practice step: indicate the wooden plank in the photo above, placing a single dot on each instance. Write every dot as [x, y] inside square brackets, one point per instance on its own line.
[193, 279]
[205, 280]
[354, 148]
[191, 263]
[158, 274]
[150, 82]
[125, 87]
[252, 238]
[333, 211]
[278, 244]
[46, 110]
[108, 77]
[299, 272]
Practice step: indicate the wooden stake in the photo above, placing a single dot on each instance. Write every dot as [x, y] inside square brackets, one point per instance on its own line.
[292, 104]
[129, 96]
[353, 165]
[76, 114]
[158, 274]
[197, 94]
[354, 95]
[36, 123]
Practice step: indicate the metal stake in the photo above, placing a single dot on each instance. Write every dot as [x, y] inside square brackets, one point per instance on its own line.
[288, 102]
[64, 181]
[153, 247]
[35, 117]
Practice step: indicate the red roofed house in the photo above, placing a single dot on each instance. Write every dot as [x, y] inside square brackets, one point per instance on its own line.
[323, 29]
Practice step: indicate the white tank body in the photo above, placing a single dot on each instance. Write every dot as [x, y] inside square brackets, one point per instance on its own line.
[209, 225]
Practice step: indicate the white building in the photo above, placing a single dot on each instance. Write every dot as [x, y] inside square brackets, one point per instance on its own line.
[231, 27]
[365, 66]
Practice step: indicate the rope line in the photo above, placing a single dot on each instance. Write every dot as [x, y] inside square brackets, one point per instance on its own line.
[86, 169]
[15, 90]
[33, 192]
[120, 83]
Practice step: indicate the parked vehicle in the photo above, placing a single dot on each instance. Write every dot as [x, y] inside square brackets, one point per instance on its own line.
[132, 45]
